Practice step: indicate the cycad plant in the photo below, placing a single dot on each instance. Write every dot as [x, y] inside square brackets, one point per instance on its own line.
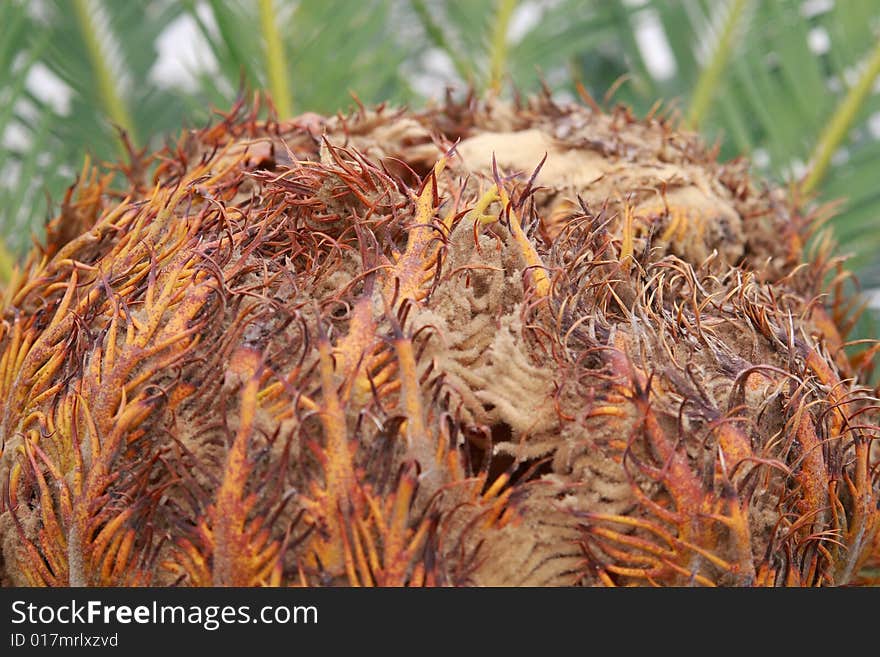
[535, 332]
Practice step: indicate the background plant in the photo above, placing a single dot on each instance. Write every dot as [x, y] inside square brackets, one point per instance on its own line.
[792, 83]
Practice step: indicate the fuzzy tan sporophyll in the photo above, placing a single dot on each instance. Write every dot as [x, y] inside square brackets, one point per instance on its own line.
[479, 344]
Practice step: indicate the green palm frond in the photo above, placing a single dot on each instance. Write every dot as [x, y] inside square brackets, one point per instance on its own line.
[25, 121]
[367, 45]
[104, 52]
[330, 49]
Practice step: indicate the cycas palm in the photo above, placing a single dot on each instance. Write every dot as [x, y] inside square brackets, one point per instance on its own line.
[765, 78]
[154, 332]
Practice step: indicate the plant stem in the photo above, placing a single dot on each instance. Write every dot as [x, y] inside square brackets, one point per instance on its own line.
[498, 47]
[711, 76]
[109, 93]
[276, 62]
[6, 264]
[840, 123]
